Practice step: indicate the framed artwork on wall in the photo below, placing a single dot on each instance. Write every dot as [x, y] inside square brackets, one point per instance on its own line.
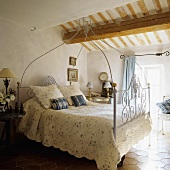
[72, 61]
[72, 74]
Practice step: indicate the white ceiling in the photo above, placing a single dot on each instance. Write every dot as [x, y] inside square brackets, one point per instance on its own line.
[48, 13]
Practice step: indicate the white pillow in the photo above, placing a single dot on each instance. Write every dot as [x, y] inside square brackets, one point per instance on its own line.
[45, 93]
[69, 91]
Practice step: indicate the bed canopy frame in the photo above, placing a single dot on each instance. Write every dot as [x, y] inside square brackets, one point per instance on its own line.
[166, 53]
[134, 98]
[85, 23]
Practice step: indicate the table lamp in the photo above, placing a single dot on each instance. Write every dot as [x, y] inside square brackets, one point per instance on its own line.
[7, 73]
[90, 86]
[107, 85]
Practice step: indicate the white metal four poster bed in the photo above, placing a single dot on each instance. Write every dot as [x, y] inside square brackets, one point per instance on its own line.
[100, 132]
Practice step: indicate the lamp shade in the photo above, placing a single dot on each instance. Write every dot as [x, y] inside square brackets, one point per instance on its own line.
[7, 73]
[90, 85]
[107, 85]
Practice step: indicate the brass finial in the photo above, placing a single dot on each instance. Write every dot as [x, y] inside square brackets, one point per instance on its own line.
[114, 84]
[148, 85]
[18, 84]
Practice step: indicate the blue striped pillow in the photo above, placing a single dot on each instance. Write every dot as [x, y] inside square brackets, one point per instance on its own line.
[78, 100]
[164, 106]
[60, 103]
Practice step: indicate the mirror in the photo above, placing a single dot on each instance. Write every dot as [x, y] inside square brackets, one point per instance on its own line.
[103, 76]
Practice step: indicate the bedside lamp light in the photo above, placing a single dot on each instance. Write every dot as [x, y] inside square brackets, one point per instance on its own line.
[107, 85]
[90, 86]
[7, 73]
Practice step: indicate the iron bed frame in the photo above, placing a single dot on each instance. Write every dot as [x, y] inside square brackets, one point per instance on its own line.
[134, 100]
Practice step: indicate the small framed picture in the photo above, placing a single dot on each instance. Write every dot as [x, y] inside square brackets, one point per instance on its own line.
[72, 74]
[72, 61]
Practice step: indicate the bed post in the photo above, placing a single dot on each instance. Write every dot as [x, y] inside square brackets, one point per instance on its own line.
[18, 92]
[149, 98]
[149, 142]
[114, 109]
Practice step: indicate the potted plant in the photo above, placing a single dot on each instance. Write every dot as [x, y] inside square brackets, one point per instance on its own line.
[6, 98]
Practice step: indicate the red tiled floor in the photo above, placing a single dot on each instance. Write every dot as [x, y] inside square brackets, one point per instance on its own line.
[34, 156]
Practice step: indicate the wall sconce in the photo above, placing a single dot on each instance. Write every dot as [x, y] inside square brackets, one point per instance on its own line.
[90, 86]
[107, 85]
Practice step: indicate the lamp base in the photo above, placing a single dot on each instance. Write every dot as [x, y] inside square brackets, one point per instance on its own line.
[6, 83]
[2, 108]
[89, 98]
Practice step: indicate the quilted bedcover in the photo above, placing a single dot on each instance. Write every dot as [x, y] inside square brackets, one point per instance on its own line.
[85, 131]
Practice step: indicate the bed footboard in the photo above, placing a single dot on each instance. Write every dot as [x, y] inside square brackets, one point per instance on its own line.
[135, 102]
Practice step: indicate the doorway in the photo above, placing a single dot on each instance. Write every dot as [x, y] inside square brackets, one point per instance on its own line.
[153, 74]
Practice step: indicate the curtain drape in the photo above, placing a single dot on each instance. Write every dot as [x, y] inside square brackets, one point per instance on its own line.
[129, 71]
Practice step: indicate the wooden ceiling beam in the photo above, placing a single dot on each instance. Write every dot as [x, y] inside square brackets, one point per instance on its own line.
[157, 6]
[114, 42]
[143, 7]
[168, 33]
[84, 45]
[94, 20]
[103, 17]
[122, 13]
[136, 26]
[147, 38]
[109, 12]
[157, 37]
[131, 10]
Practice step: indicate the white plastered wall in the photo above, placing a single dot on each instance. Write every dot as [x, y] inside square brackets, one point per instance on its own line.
[20, 46]
[96, 63]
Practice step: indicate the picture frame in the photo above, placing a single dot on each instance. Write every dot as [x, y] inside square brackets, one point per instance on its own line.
[72, 61]
[72, 74]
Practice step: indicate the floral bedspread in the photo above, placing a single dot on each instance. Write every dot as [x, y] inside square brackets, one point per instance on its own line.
[85, 131]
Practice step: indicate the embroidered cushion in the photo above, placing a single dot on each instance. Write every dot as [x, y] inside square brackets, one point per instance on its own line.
[44, 93]
[164, 106]
[78, 100]
[58, 104]
[69, 91]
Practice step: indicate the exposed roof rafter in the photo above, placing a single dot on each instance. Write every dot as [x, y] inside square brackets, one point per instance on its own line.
[135, 26]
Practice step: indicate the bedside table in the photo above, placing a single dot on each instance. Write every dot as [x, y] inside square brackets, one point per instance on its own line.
[103, 100]
[6, 117]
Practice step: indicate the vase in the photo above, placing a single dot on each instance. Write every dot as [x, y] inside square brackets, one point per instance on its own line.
[2, 108]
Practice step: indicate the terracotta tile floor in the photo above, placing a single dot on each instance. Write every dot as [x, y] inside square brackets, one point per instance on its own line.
[33, 156]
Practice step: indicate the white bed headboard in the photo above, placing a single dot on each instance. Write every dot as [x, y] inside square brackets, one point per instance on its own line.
[45, 81]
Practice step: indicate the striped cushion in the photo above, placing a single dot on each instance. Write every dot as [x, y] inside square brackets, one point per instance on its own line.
[164, 106]
[78, 100]
[58, 104]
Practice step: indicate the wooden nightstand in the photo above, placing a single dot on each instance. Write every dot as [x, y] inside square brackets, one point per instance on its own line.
[104, 100]
[6, 117]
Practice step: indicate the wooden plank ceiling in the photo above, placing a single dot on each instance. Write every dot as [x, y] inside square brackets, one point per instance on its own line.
[141, 23]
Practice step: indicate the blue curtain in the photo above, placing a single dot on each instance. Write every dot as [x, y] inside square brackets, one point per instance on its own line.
[129, 71]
